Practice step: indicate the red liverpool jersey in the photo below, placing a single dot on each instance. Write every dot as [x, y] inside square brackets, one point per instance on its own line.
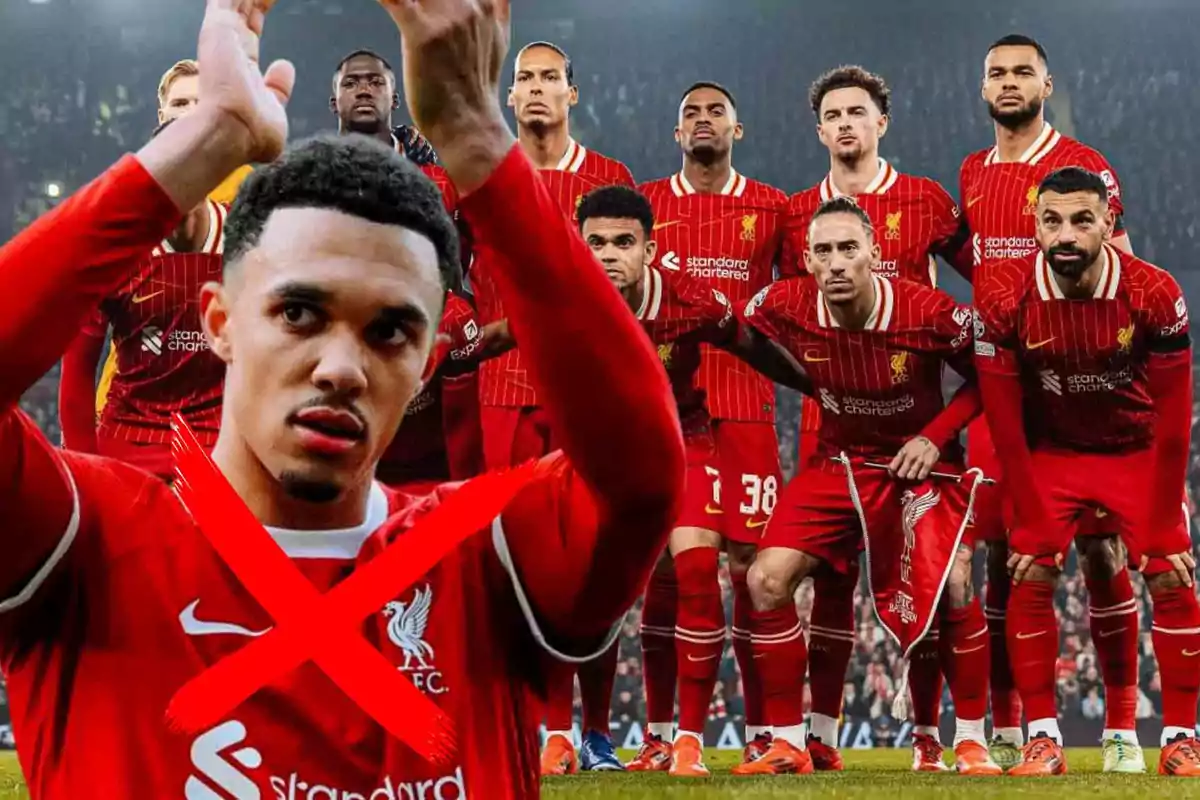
[880, 386]
[1083, 363]
[731, 240]
[679, 314]
[915, 221]
[164, 361]
[420, 450]
[1000, 198]
[503, 380]
[135, 603]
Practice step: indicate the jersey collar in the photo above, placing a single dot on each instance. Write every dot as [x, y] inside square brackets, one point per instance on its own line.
[734, 187]
[215, 243]
[884, 179]
[1040, 148]
[572, 160]
[341, 543]
[881, 313]
[652, 291]
[1106, 285]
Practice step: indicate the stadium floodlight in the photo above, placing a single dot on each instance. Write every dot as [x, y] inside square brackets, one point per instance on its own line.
[53, 188]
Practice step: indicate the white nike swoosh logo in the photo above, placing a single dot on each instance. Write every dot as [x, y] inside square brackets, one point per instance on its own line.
[960, 652]
[1106, 634]
[198, 627]
[703, 658]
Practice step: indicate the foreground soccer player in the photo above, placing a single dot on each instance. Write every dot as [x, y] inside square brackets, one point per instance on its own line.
[915, 222]
[337, 260]
[716, 225]
[167, 366]
[999, 189]
[515, 424]
[1085, 356]
[364, 97]
[875, 351]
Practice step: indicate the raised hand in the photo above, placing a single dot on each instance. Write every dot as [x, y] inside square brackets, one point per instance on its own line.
[916, 460]
[453, 54]
[231, 84]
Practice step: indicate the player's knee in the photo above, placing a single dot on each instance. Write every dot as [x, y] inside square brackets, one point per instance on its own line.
[1100, 557]
[741, 557]
[960, 586]
[1163, 582]
[1040, 573]
[770, 586]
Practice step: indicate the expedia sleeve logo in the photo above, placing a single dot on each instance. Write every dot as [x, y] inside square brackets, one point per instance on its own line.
[757, 300]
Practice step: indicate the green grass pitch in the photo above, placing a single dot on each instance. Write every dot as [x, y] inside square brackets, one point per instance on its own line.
[875, 774]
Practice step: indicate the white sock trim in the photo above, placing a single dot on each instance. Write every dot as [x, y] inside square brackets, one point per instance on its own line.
[1170, 733]
[1014, 736]
[663, 730]
[792, 734]
[969, 730]
[1045, 727]
[1126, 736]
[825, 728]
[756, 730]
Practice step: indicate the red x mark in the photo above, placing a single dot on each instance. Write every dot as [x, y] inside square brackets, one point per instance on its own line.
[326, 629]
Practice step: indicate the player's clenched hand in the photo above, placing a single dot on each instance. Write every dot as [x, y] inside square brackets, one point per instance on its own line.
[453, 55]
[1182, 564]
[231, 84]
[1020, 563]
[915, 460]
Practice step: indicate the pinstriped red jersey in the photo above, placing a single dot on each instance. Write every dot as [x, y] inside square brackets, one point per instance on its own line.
[164, 361]
[880, 386]
[504, 380]
[731, 240]
[1083, 363]
[679, 314]
[915, 220]
[1000, 198]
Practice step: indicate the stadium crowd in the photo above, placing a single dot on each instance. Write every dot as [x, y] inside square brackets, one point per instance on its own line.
[1106, 91]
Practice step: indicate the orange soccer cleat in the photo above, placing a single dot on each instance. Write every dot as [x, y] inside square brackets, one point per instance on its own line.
[653, 756]
[558, 756]
[687, 758]
[755, 748]
[927, 754]
[1042, 756]
[825, 758]
[1181, 757]
[972, 758]
[781, 758]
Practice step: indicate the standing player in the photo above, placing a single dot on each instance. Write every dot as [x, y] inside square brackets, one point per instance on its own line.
[915, 222]
[515, 428]
[167, 366]
[114, 597]
[441, 437]
[875, 350]
[178, 94]
[1085, 360]
[998, 191]
[717, 225]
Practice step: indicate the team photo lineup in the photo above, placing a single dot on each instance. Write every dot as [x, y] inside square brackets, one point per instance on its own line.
[363, 460]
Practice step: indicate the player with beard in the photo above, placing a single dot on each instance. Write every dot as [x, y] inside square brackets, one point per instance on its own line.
[339, 254]
[716, 225]
[915, 222]
[515, 427]
[998, 192]
[1085, 360]
[849, 328]
[441, 437]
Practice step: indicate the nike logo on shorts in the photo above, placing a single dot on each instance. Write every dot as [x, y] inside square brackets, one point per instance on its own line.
[198, 627]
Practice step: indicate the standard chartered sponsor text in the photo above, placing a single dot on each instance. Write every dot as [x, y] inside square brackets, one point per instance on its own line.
[1104, 382]
[187, 341]
[877, 408]
[998, 248]
[447, 787]
[719, 267]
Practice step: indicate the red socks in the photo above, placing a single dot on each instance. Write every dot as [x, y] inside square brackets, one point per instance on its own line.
[596, 678]
[831, 630]
[965, 659]
[658, 643]
[1114, 623]
[699, 634]
[781, 654]
[743, 608]
[1177, 645]
[1033, 646]
[925, 681]
[1006, 703]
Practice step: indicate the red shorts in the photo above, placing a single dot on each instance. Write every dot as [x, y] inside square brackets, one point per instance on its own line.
[988, 522]
[702, 492]
[1098, 494]
[513, 436]
[816, 516]
[748, 460]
